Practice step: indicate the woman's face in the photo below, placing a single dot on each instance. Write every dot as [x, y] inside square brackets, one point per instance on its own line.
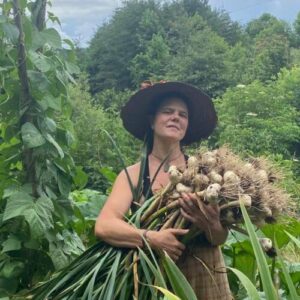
[171, 119]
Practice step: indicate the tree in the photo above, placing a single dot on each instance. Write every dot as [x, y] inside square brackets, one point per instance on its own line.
[258, 119]
[94, 151]
[116, 43]
[272, 52]
[200, 61]
[151, 64]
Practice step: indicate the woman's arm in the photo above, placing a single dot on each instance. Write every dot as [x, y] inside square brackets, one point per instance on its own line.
[111, 227]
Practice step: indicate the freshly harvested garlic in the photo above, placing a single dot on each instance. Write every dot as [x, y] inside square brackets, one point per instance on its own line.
[262, 176]
[181, 188]
[231, 177]
[244, 198]
[193, 163]
[211, 194]
[174, 174]
[209, 159]
[215, 177]
[200, 180]
[266, 244]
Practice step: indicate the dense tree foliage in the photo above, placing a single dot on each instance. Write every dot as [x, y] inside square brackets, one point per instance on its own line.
[37, 171]
[187, 39]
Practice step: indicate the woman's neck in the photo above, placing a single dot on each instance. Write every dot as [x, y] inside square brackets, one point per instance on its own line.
[162, 149]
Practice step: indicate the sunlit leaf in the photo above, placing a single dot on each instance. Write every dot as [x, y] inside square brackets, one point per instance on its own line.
[248, 285]
[260, 257]
[31, 136]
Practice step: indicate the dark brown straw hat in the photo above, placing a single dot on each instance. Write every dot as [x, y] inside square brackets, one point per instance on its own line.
[202, 115]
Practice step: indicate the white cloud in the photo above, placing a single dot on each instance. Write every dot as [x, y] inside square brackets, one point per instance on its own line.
[80, 19]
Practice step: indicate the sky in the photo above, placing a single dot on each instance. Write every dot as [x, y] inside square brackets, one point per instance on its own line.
[81, 18]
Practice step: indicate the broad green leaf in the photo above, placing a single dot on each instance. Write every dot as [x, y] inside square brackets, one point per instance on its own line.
[260, 257]
[290, 225]
[38, 81]
[58, 256]
[248, 285]
[31, 136]
[177, 280]
[52, 141]
[64, 185]
[49, 124]
[12, 269]
[11, 31]
[17, 204]
[52, 37]
[109, 174]
[38, 213]
[89, 202]
[72, 68]
[42, 62]
[80, 178]
[295, 240]
[11, 244]
[53, 102]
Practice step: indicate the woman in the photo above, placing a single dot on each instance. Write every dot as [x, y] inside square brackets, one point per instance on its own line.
[168, 115]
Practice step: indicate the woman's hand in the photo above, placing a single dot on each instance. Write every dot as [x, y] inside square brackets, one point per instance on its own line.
[205, 216]
[167, 240]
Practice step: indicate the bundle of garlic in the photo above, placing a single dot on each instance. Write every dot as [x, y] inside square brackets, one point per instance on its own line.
[221, 177]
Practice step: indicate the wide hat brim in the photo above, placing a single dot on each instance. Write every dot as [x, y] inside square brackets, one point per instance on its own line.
[202, 114]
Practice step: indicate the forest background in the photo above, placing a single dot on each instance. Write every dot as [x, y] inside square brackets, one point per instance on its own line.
[57, 162]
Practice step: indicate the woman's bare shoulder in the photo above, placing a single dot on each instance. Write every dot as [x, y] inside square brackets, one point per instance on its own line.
[133, 172]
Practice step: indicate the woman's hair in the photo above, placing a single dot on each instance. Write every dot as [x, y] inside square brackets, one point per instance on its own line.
[153, 110]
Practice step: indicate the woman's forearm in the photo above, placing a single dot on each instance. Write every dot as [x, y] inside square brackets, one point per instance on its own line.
[119, 233]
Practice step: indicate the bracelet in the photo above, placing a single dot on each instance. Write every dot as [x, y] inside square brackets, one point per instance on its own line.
[145, 238]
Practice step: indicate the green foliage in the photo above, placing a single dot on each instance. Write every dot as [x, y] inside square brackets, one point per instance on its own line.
[89, 123]
[201, 60]
[88, 204]
[240, 254]
[36, 137]
[151, 64]
[250, 117]
[119, 42]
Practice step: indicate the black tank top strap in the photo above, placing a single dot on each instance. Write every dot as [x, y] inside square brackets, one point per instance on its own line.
[147, 191]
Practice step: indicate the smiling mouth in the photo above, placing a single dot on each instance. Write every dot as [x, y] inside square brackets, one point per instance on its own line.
[172, 126]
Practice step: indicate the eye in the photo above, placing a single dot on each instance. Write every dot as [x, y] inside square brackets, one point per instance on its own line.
[167, 111]
[183, 114]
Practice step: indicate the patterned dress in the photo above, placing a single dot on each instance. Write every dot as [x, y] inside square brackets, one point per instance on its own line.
[204, 268]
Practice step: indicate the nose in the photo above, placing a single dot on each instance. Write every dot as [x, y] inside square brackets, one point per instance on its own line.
[175, 116]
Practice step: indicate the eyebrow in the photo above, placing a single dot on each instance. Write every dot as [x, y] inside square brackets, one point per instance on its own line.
[169, 107]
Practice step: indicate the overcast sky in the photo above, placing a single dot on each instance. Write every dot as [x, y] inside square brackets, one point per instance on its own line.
[81, 18]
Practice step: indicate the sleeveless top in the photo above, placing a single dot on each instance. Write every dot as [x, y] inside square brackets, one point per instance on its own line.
[147, 184]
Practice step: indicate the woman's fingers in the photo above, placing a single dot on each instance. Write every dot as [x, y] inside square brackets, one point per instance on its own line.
[187, 216]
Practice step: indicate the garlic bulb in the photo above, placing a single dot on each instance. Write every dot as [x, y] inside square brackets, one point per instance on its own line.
[193, 163]
[174, 175]
[262, 176]
[231, 177]
[266, 244]
[211, 194]
[181, 188]
[215, 177]
[209, 159]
